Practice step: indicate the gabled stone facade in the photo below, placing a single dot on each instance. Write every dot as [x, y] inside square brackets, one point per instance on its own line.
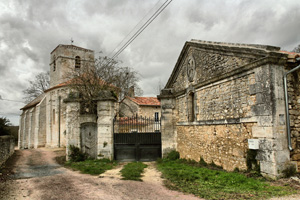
[218, 96]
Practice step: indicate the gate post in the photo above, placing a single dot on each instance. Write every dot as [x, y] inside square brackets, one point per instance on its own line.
[105, 112]
[168, 128]
[72, 124]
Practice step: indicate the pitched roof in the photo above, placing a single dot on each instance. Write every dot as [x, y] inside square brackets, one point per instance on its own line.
[71, 46]
[34, 102]
[291, 56]
[145, 101]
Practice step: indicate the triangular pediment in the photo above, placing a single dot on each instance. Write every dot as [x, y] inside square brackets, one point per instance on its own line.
[200, 61]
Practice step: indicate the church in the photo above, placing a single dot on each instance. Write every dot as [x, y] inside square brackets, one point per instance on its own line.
[58, 118]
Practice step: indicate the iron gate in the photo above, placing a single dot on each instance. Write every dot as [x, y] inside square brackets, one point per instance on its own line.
[137, 138]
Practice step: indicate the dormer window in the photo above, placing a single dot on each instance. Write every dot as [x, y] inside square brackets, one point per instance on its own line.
[77, 62]
[54, 63]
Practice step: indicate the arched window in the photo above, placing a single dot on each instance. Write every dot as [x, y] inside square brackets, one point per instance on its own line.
[77, 62]
[191, 107]
[53, 116]
[54, 63]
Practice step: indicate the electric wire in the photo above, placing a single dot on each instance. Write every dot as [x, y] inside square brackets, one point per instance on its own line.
[149, 21]
[134, 28]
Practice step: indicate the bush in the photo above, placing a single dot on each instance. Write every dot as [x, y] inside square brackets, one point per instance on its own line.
[289, 171]
[173, 155]
[76, 154]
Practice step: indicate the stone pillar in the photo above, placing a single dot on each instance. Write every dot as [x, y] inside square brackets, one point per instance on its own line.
[37, 125]
[20, 132]
[25, 131]
[106, 113]
[168, 122]
[269, 110]
[72, 124]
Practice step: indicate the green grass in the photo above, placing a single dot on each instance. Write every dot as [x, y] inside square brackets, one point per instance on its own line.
[216, 184]
[93, 167]
[133, 171]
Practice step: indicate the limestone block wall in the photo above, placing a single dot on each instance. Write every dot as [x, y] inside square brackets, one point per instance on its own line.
[41, 129]
[7, 147]
[56, 118]
[105, 112]
[64, 58]
[72, 125]
[217, 135]
[149, 111]
[222, 100]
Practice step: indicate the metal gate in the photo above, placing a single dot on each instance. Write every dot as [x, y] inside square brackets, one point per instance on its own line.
[137, 139]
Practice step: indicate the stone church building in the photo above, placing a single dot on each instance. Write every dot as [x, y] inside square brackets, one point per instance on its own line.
[54, 119]
[223, 99]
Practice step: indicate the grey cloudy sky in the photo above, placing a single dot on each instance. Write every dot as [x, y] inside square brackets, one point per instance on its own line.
[31, 29]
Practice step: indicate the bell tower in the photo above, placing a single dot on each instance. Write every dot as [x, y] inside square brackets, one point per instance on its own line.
[65, 58]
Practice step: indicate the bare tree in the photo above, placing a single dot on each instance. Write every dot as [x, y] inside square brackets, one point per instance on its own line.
[296, 49]
[36, 87]
[90, 80]
[123, 78]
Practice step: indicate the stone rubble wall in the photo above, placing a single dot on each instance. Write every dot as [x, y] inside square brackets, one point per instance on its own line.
[7, 147]
[294, 111]
[226, 146]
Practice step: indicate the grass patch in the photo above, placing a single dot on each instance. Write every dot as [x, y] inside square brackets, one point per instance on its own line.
[133, 171]
[93, 167]
[216, 184]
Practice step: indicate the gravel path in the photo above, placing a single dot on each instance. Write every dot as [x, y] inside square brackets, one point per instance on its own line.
[36, 175]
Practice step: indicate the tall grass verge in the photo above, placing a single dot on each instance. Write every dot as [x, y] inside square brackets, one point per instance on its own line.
[216, 184]
[133, 171]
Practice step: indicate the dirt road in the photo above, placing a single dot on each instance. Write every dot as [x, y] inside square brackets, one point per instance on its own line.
[36, 175]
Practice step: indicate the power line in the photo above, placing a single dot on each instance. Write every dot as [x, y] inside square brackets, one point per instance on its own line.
[149, 21]
[11, 100]
[10, 114]
[133, 28]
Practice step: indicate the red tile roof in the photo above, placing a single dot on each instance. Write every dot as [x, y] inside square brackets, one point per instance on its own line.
[291, 56]
[145, 101]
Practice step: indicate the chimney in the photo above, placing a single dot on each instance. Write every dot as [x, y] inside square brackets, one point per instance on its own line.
[131, 91]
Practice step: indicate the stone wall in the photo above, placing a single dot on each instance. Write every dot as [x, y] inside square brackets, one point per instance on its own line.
[149, 111]
[7, 147]
[63, 57]
[226, 146]
[294, 107]
[225, 94]
[227, 99]
[211, 137]
[128, 108]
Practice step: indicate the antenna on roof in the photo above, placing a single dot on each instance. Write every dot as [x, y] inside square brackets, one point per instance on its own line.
[72, 41]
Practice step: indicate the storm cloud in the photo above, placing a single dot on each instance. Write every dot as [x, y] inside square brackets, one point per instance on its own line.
[31, 29]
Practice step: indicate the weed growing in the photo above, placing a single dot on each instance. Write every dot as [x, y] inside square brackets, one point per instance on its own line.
[216, 184]
[93, 167]
[133, 171]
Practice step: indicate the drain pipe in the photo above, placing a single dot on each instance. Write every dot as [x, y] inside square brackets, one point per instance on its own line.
[288, 127]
